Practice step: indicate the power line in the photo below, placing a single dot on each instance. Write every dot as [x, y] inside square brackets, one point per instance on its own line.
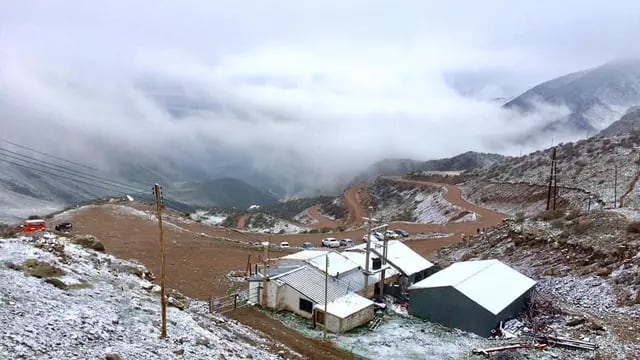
[60, 176]
[69, 171]
[64, 167]
[113, 185]
[52, 156]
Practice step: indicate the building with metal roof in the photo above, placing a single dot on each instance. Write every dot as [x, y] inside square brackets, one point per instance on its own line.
[345, 313]
[472, 295]
[405, 266]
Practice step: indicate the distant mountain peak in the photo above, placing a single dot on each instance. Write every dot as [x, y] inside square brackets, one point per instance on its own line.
[594, 97]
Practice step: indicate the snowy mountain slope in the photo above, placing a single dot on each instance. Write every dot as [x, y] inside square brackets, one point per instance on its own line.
[587, 164]
[397, 167]
[105, 309]
[594, 97]
[629, 122]
[395, 201]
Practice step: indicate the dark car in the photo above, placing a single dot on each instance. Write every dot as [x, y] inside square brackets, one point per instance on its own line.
[64, 227]
[401, 232]
[307, 245]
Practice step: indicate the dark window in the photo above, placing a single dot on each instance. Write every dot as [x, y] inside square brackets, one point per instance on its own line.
[377, 263]
[306, 305]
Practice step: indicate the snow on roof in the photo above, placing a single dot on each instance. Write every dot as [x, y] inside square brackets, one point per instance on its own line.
[273, 272]
[490, 283]
[399, 255]
[338, 263]
[304, 255]
[346, 305]
[310, 282]
[360, 258]
[34, 221]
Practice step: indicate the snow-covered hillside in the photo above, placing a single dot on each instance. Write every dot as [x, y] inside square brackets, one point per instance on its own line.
[87, 304]
[265, 223]
[395, 201]
[587, 164]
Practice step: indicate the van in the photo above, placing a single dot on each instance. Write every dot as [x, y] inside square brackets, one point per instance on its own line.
[33, 225]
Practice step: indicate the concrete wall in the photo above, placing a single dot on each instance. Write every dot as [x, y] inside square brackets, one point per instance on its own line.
[291, 301]
[449, 307]
[358, 319]
[337, 325]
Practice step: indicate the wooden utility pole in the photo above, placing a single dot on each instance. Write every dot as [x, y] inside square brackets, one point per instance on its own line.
[553, 184]
[163, 300]
[326, 291]
[615, 186]
[367, 255]
[384, 264]
[265, 275]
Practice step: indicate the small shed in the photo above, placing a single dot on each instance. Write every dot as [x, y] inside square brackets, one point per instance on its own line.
[345, 313]
[474, 296]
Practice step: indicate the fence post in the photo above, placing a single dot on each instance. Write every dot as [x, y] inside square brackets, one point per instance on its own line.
[235, 301]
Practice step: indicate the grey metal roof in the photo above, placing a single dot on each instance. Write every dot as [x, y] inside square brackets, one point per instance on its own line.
[274, 272]
[310, 282]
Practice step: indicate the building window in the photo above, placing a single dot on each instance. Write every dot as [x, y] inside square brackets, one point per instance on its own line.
[306, 305]
[377, 263]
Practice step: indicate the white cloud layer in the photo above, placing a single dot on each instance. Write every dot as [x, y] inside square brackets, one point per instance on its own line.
[307, 92]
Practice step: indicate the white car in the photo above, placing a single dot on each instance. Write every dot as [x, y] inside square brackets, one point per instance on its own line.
[389, 234]
[331, 242]
[346, 242]
[284, 244]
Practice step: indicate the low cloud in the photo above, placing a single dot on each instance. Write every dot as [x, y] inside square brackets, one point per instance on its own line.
[309, 104]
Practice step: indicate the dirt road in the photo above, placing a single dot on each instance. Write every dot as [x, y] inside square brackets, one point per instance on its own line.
[354, 204]
[321, 221]
[196, 265]
[309, 348]
[242, 221]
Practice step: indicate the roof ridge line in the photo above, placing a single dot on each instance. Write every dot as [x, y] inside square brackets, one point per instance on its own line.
[492, 262]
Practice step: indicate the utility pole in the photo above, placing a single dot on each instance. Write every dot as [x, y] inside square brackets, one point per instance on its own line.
[615, 186]
[385, 243]
[163, 300]
[326, 291]
[367, 256]
[551, 177]
[265, 274]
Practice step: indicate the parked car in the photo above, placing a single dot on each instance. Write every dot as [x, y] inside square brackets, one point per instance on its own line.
[66, 227]
[330, 242]
[373, 238]
[401, 232]
[389, 234]
[307, 245]
[284, 244]
[379, 235]
[346, 242]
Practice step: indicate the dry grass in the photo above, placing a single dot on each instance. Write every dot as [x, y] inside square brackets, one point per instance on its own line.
[549, 215]
[40, 269]
[89, 242]
[634, 227]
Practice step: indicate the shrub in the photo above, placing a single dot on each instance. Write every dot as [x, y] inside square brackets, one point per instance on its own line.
[549, 215]
[520, 217]
[57, 283]
[573, 214]
[40, 269]
[634, 227]
[89, 242]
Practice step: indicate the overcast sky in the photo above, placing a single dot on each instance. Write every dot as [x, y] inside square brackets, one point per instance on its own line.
[297, 85]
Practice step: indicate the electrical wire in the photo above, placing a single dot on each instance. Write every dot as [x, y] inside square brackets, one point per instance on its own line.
[66, 170]
[96, 181]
